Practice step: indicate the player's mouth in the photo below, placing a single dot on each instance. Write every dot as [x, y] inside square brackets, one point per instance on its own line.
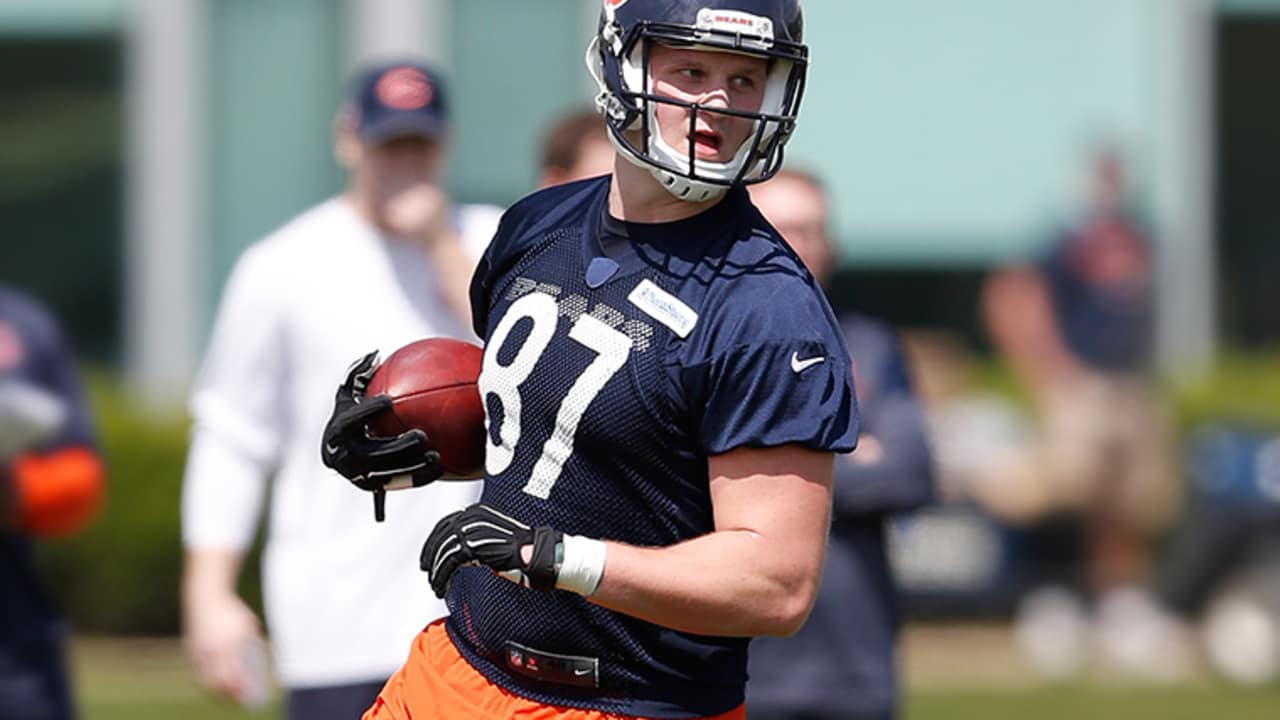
[706, 144]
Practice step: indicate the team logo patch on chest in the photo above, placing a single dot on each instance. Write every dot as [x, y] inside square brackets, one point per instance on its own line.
[559, 392]
[664, 307]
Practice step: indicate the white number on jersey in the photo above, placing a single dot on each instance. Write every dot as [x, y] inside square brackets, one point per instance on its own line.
[612, 349]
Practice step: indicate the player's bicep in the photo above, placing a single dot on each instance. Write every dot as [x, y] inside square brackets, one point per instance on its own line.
[781, 494]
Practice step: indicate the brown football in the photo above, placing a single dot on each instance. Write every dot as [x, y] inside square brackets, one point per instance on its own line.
[432, 385]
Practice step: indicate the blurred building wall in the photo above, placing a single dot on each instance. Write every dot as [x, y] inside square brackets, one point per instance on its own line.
[955, 132]
[61, 16]
[61, 191]
[951, 133]
[167, 233]
[275, 74]
[514, 67]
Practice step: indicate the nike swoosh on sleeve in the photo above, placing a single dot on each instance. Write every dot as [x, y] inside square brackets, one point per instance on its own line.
[798, 365]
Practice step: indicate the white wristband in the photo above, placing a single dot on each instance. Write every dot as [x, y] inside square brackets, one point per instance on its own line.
[583, 565]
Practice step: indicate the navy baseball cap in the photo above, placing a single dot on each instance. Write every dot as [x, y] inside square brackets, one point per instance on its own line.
[396, 100]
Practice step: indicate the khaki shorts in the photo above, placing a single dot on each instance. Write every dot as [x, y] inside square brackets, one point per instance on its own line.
[1105, 445]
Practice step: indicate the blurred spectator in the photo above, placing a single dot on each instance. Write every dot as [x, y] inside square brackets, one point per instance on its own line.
[841, 663]
[575, 148]
[343, 594]
[51, 482]
[1076, 330]
[1221, 565]
[984, 452]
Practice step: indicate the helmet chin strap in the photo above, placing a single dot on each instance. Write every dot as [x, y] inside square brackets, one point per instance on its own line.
[686, 189]
[682, 187]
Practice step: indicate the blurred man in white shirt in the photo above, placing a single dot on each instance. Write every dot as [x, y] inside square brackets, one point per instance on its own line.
[343, 594]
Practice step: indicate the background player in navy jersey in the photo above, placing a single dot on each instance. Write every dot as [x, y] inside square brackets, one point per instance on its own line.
[51, 480]
[665, 387]
[841, 663]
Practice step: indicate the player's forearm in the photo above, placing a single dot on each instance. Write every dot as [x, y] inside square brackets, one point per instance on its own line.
[727, 583]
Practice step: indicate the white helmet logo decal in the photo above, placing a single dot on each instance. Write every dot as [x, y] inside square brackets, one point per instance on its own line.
[735, 21]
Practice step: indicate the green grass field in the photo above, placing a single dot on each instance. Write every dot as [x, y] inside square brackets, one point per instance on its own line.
[1094, 703]
[966, 673]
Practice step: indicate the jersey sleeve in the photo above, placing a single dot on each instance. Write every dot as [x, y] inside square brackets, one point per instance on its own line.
[775, 374]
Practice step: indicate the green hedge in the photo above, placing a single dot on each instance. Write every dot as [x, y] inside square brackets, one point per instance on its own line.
[121, 574]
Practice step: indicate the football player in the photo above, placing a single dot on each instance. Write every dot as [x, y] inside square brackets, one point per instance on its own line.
[51, 484]
[665, 388]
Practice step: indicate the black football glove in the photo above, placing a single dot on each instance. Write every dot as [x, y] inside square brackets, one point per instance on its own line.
[484, 536]
[374, 463]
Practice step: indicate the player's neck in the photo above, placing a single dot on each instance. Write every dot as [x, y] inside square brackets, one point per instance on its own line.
[635, 195]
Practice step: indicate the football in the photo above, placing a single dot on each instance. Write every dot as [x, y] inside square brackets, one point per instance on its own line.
[432, 385]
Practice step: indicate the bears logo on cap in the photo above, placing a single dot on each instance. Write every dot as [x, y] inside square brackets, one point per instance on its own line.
[615, 4]
[404, 88]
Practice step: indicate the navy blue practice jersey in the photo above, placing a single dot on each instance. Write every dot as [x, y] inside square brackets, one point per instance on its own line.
[34, 353]
[618, 358]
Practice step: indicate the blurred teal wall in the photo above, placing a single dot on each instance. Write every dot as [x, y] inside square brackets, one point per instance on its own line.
[950, 133]
[953, 132]
[515, 66]
[61, 16]
[275, 75]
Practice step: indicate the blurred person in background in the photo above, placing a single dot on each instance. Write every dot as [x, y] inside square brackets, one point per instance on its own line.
[342, 593]
[841, 663]
[576, 147]
[1220, 569]
[51, 485]
[1076, 331]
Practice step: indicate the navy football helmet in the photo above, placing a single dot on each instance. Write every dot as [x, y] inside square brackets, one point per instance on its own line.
[618, 59]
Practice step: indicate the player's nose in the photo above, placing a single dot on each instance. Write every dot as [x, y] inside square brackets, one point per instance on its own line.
[716, 97]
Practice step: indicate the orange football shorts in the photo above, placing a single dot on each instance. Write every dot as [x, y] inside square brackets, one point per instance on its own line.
[436, 682]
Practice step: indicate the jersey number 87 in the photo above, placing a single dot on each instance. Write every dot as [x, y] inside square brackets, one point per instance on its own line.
[504, 380]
